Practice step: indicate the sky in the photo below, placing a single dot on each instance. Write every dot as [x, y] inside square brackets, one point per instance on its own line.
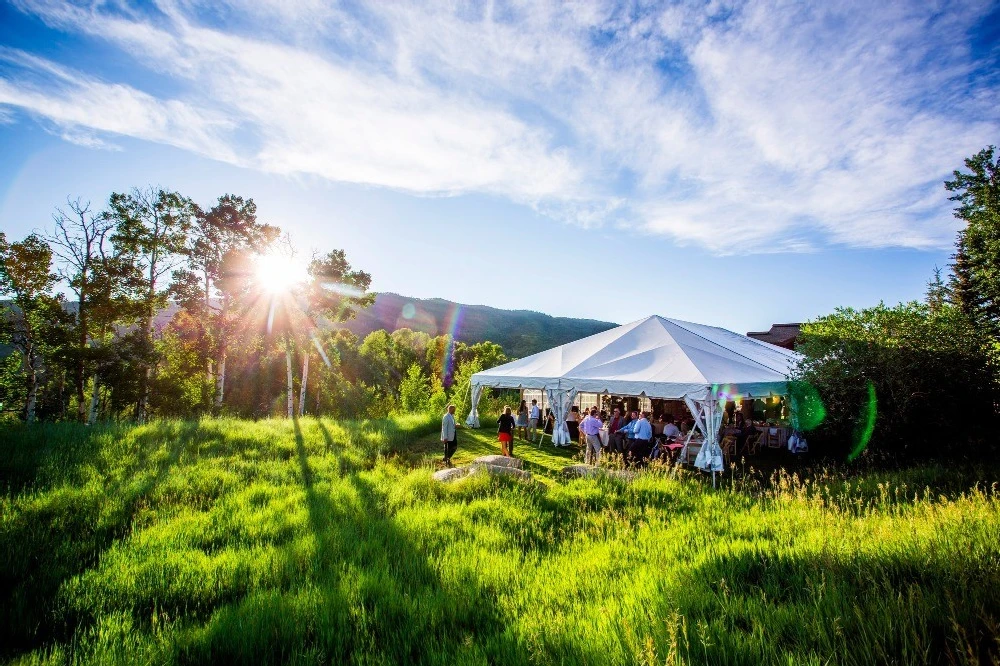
[733, 164]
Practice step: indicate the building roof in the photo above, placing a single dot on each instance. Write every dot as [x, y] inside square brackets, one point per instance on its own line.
[782, 335]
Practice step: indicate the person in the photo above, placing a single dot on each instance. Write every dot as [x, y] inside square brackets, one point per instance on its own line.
[573, 424]
[449, 434]
[591, 428]
[505, 432]
[522, 420]
[533, 416]
[744, 430]
[616, 421]
[628, 433]
[550, 421]
[670, 430]
[658, 426]
[642, 441]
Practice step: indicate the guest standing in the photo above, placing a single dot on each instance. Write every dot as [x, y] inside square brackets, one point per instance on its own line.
[505, 432]
[591, 428]
[522, 420]
[449, 435]
[573, 424]
[533, 418]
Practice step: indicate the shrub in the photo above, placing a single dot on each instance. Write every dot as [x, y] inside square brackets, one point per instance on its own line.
[922, 373]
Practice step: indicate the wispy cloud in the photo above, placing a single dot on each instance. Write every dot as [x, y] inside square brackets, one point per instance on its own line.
[750, 127]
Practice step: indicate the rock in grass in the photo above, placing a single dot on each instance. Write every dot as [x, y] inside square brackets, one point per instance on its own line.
[451, 474]
[503, 470]
[502, 461]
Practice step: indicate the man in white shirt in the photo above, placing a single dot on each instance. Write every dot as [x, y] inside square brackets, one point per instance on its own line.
[533, 417]
[449, 435]
[671, 429]
[642, 444]
[591, 427]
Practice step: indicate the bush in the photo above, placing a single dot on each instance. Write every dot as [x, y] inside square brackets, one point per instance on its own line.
[415, 390]
[897, 380]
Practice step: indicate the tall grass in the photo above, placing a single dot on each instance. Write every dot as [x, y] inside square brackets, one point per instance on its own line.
[312, 541]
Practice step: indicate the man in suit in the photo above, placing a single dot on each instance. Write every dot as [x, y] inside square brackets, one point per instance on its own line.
[449, 435]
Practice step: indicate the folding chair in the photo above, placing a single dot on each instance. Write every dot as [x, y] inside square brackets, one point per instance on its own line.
[728, 445]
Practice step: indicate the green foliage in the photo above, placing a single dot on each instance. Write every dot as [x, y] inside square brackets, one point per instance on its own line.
[415, 390]
[299, 541]
[975, 283]
[931, 372]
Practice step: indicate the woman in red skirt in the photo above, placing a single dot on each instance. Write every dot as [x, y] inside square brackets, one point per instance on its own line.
[505, 432]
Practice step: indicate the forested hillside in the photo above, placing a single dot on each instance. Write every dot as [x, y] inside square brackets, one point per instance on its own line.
[520, 332]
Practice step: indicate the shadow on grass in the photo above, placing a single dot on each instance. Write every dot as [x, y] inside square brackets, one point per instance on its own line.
[367, 594]
[754, 606]
[66, 532]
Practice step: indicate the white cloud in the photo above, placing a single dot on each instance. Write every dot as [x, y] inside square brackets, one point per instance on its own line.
[757, 127]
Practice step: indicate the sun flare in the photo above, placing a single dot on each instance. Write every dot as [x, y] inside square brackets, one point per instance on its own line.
[278, 273]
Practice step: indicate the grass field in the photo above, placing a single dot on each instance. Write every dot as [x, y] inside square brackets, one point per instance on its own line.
[318, 541]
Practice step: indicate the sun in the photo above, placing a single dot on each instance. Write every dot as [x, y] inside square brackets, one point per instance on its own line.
[278, 273]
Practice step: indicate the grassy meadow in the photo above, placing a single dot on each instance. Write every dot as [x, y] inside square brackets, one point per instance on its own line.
[321, 541]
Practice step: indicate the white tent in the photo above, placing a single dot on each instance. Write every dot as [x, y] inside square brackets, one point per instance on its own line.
[654, 357]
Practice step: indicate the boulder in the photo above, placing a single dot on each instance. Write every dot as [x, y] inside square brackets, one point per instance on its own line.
[501, 461]
[502, 470]
[451, 474]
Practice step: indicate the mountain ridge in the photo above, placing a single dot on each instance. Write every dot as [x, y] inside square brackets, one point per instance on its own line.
[520, 332]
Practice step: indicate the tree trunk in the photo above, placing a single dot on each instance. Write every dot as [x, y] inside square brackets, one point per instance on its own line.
[63, 397]
[305, 382]
[81, 367]
[220, 378]
[29, 408]
[319, 389]
[288, 372]
[92, 416]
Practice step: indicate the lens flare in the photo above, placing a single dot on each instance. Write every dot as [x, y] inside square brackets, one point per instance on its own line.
[866, 424]
[278, 273]
[454, 324]
[807, 408]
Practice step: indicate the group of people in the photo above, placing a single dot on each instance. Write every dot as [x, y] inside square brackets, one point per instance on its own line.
[524, 425]
[636, 439]
[631, 435]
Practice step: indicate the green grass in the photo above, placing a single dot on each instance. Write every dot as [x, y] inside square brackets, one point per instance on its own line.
[318, 541]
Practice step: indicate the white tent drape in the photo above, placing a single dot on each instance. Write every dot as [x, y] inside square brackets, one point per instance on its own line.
[707, 414]
[473, 420]
[561, 400]
[709, 458]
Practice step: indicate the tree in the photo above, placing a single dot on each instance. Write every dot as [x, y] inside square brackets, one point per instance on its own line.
[151, 231]
[79, 242]
[415, 390]
[908, 371]
[334, 293]
[26, 276]
[215, 284]
[937, 292]
[976, 269]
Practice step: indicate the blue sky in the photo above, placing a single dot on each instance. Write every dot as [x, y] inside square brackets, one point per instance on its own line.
[735, 164]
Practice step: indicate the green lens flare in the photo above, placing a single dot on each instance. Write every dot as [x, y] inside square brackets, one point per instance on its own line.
[866, 426]
[807, 407]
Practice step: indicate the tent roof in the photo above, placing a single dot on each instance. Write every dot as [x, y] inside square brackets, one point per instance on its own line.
[655, 357]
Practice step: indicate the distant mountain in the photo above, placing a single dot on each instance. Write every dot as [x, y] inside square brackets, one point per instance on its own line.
[520, 332]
